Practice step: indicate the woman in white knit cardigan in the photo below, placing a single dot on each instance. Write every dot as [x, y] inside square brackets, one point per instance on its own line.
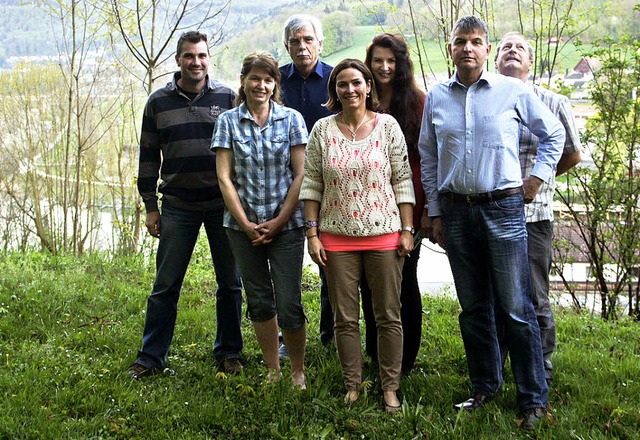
[358, 200]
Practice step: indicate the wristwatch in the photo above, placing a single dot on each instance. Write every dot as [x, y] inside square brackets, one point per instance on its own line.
[408, 229]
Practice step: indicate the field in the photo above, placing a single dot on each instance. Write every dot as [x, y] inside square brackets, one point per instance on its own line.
[70, 327]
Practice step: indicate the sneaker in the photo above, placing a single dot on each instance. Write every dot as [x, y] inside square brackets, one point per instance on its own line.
[532, 417]
[231, 365]
[472, 403]
[138, 371]
[282, 351]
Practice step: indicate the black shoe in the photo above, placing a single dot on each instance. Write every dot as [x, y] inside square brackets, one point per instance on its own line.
[472, 403]
[532, 417]
[283, 353]
[138, 371]
[231, 365]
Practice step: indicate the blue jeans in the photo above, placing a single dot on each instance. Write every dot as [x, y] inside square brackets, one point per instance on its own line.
[487, 250]
[272, 276]
[326, 315]
[179, 230]
[540, 242]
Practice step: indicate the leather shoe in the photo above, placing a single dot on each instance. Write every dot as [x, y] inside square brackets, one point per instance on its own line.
[472, 403]
[231, 365]
[531, 418]
[139, 371]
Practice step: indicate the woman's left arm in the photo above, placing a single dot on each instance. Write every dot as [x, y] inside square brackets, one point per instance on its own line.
[405, 245]
[271, 228]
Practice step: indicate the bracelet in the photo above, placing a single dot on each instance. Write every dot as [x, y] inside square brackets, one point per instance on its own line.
[311, 236]
[310, 224]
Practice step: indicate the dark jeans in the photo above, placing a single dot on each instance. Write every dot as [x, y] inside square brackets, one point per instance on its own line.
[326, 315]
[487, 249]
[540, 238]
[179, 230]
[272, 276]
[410, 313]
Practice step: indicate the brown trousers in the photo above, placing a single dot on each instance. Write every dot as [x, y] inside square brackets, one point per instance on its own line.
[383, 270]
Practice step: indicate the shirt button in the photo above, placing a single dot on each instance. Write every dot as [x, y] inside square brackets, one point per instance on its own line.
[468, 131]
[468, 171]
[468, 151]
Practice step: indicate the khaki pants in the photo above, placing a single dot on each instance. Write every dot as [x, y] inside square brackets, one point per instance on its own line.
[383, 270]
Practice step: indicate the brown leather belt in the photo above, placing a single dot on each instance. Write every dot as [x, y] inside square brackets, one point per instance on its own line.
[483, 197]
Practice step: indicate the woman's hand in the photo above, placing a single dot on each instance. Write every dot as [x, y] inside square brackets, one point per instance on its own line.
[405, 245]
[316, 251]
[250, 230]
[268, 231]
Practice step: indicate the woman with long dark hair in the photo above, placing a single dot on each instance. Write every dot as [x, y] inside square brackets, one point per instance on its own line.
[390, 63]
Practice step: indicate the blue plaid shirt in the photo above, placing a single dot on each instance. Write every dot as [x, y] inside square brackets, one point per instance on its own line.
[542, 206]
[262, 171]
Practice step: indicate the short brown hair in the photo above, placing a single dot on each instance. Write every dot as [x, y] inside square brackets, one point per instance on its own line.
[192, 37]
[265, 61]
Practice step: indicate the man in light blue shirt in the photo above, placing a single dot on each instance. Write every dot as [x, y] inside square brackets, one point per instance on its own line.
[471, 177]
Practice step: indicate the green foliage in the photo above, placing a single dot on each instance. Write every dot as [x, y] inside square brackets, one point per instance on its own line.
[610, 190]
[338, 31]
[69, 328]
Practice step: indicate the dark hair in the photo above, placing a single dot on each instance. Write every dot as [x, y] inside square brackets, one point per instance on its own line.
[265, 61]
[192, 37]
[334, 103]
[470, 23]
[407, 100]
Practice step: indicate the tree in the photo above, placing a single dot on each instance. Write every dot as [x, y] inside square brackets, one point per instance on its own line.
[610, 191]
[338, 31]
[147, 28]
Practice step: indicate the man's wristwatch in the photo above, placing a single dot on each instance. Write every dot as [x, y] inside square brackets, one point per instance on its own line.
[409, 229]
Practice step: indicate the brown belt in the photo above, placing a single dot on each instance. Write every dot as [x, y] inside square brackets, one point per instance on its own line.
[483, 197]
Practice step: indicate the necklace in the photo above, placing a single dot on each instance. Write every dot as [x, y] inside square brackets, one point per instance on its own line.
[354, 132]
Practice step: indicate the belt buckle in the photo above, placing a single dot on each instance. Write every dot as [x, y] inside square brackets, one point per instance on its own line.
[468, 197]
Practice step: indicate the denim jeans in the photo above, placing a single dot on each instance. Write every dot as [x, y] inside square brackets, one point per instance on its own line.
[487, 249]
[272, 276]
[540, 238]
[179, 230]
[326, 315]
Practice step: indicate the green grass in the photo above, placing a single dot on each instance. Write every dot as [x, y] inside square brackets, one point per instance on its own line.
[70, 327]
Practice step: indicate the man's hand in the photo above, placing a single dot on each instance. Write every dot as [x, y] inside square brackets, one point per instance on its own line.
[426, 225]
[152, 223]
[531, 186]
[437, 232]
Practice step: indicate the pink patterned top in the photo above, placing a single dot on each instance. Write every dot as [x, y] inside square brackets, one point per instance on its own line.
[359, 184]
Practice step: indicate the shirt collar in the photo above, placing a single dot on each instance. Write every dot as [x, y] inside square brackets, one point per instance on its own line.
[291, 69]
[486, 77]
[276, 112]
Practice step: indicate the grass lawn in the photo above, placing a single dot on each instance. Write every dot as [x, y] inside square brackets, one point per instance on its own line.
[70, 327]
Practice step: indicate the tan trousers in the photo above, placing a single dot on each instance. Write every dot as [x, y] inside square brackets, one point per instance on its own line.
[383, 270]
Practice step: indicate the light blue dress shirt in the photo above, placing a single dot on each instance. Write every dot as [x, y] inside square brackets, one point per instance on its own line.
[469, 136]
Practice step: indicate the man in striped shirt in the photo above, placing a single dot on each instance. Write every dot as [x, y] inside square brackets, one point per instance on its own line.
[177, 127]
[514, 58]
